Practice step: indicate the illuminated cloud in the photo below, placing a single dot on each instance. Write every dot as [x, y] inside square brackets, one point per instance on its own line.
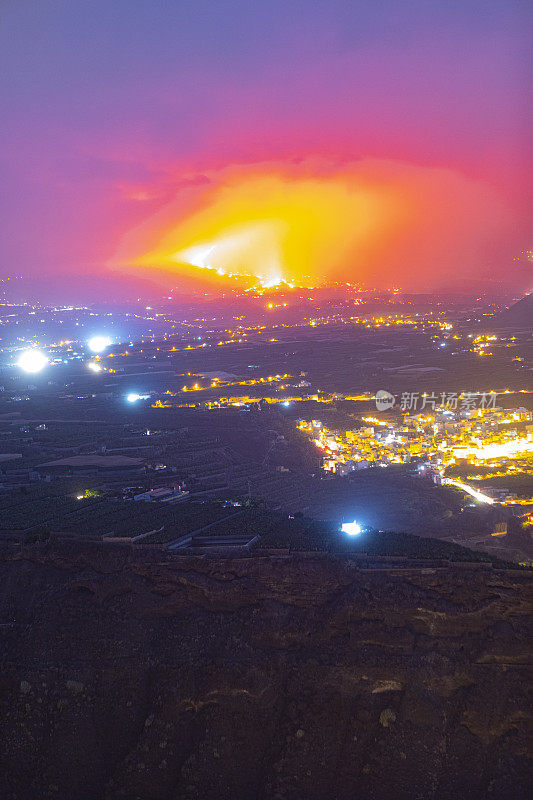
[120, 129]
[381, 222]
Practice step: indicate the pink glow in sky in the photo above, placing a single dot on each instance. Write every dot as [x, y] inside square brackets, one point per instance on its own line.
[129, 124]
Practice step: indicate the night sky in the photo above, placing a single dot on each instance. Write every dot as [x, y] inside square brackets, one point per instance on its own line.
[297, 140]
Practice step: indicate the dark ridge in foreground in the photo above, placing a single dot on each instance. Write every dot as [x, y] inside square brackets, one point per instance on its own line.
[135, 674]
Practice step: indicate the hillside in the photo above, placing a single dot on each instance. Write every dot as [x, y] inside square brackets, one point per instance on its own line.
[519, 315]
[135, 674]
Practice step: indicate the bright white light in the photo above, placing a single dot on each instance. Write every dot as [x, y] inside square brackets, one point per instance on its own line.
[287, 403]
[483, 498]
[351, 528]
[503, 450]
[133, 397]
[99, 343]
[32, 361]
[270, 283]
[94, 367]
[256, 244]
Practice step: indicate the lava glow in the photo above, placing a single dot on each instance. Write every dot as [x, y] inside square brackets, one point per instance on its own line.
[266, 224]
[263, 228]
[382, 143]
[251, 251]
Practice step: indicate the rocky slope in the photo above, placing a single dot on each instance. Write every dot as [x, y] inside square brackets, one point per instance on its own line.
[138, 675]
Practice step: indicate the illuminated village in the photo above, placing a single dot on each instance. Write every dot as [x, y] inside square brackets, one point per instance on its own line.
[474, 443]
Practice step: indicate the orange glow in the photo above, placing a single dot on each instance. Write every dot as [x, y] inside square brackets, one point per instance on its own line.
[269, 224]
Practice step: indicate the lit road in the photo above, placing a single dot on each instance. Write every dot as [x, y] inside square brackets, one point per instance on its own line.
[483, 498]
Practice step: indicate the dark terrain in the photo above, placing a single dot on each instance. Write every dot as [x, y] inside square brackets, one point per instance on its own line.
[136, 674]
[518, 315]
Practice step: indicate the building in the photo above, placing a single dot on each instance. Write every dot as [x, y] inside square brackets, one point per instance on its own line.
[500, 528]
[15, 478]
[164, 494]
[91, 465]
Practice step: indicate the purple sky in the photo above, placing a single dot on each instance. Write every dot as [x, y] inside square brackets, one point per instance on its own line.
[112, 109]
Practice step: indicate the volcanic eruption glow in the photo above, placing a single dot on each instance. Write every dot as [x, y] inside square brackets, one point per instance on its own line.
[379, 222]
[254, 246]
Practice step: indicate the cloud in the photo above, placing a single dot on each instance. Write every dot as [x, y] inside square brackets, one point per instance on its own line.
[316, 220]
